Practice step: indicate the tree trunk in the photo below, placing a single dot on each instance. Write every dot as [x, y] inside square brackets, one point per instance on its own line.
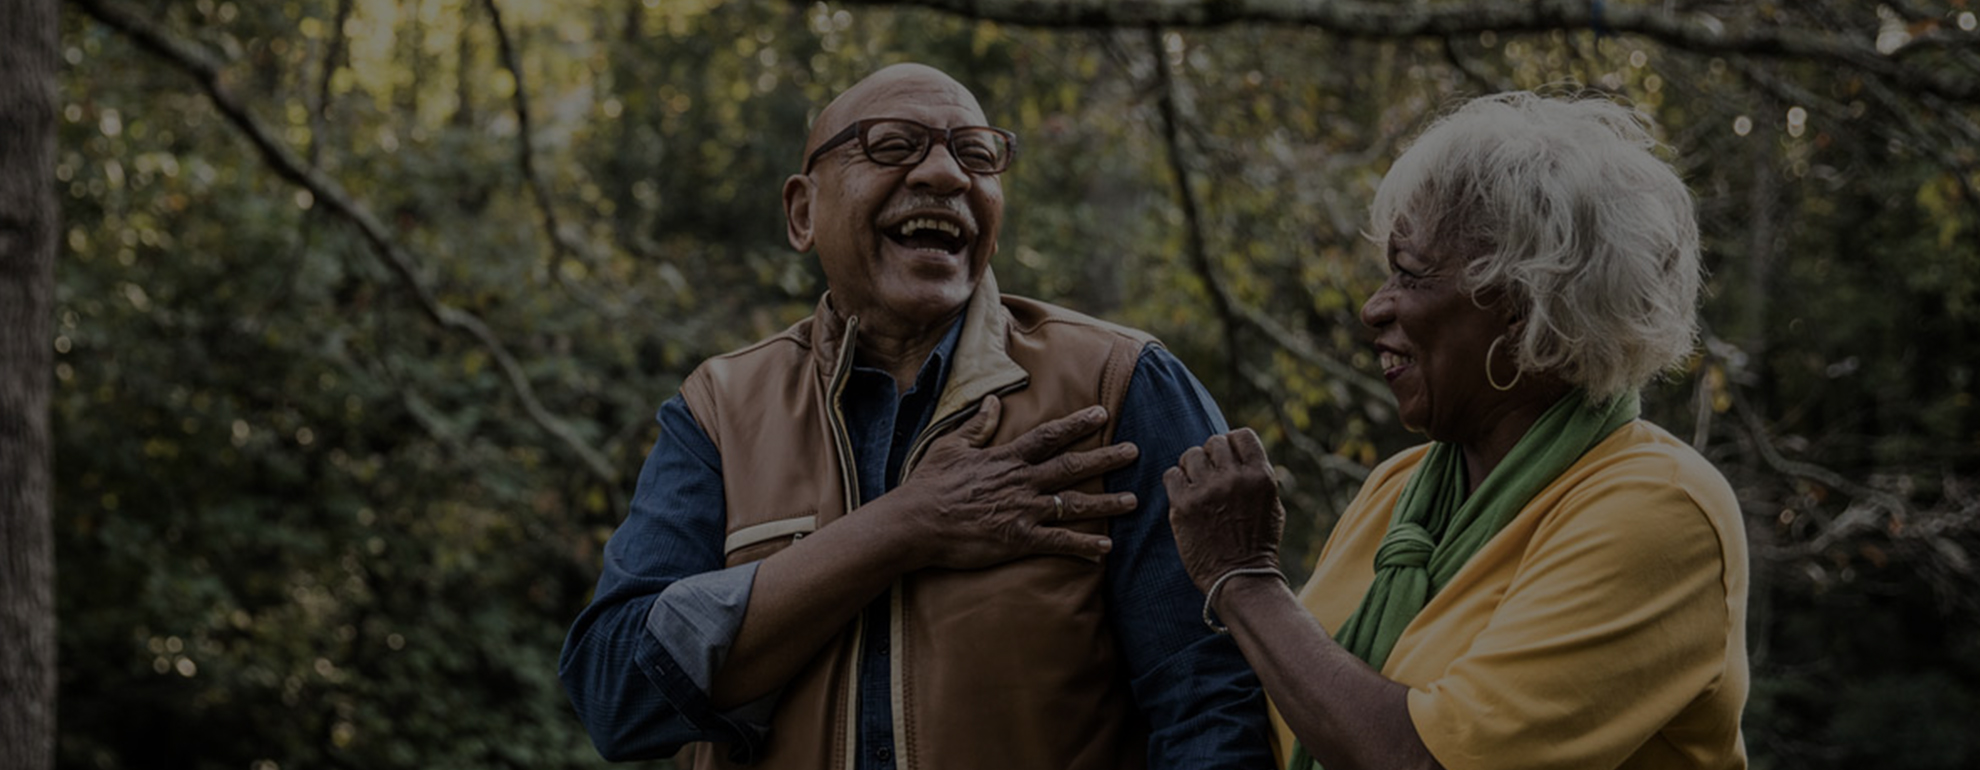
[28, 39]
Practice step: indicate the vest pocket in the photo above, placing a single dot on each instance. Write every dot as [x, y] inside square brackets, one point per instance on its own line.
[758, 541]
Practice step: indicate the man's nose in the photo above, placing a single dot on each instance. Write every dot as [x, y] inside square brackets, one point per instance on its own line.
[939, 173]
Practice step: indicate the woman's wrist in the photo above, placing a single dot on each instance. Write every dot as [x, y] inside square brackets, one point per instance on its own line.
[1219, 585]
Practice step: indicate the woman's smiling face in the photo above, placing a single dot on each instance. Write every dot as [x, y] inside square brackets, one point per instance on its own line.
[1431, 337]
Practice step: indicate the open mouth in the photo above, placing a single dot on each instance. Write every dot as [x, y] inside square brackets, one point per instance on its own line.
[1393, 363]
[929, 233]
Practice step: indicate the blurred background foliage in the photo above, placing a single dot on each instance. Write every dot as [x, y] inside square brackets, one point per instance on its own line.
[365, 307]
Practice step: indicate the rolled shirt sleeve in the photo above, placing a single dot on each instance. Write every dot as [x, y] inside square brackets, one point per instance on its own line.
[1202, 702]
[638, 660]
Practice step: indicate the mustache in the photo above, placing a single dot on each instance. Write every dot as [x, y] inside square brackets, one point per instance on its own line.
[914, 202]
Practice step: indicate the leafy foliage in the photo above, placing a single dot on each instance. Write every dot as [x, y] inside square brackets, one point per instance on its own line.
[304, 522]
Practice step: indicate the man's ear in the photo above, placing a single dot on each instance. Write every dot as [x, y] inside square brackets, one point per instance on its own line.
[798, 191]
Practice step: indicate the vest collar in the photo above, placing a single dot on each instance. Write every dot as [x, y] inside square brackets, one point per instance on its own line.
[981, 365]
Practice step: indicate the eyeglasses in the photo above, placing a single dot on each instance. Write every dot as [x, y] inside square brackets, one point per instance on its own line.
[898, 142]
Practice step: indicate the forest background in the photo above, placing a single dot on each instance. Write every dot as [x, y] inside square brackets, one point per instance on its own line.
[361, 311]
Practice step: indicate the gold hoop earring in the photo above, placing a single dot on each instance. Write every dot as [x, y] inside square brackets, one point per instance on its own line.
[1489, 379]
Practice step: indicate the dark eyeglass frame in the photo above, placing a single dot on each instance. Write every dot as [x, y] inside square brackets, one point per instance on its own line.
[946, 136]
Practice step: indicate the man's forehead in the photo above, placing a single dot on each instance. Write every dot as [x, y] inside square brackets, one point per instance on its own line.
[901, 90]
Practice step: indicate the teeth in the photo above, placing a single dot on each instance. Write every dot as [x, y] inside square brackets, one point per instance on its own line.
[913, 226]
[1393, 360]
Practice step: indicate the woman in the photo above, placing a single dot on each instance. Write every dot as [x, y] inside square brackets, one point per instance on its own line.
[1550, 582]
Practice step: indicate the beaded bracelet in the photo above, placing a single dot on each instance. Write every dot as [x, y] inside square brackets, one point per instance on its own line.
[1211, 595]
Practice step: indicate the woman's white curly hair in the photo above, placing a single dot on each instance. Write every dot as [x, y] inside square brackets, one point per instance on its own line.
[1570, 214]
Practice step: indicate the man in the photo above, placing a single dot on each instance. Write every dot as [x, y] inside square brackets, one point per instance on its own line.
[866, 543]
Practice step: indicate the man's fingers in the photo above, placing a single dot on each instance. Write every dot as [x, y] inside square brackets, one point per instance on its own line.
[1073, 467]
[1040, 443]
[1055, 540]
[1079, 506]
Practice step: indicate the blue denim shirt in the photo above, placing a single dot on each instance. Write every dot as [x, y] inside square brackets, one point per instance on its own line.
[639, 659]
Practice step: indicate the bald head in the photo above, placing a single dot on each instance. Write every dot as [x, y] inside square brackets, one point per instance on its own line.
[888, 89]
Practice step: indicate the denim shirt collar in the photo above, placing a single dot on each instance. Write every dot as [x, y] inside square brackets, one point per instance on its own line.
[975, 357]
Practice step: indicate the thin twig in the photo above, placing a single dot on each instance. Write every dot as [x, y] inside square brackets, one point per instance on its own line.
[335, 51]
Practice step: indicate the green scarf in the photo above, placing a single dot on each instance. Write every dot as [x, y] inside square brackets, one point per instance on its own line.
[1435, 529]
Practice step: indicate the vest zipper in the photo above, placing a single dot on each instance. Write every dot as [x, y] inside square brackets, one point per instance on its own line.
[849, 481]
[897, 609]
[841, 374]
[943, 424]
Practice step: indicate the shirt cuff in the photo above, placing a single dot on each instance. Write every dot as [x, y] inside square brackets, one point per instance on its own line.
[692, 625]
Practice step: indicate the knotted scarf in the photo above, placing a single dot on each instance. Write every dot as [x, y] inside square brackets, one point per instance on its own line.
[1436, 528]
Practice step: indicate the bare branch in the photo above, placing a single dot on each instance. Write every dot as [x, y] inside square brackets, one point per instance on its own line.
[1304, 350]
[1231, 313]
[317, 128]
[1764, 444]
[286, 164]
[1197, 251]
[1691, 31]
[525, 134]
[562, 245]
